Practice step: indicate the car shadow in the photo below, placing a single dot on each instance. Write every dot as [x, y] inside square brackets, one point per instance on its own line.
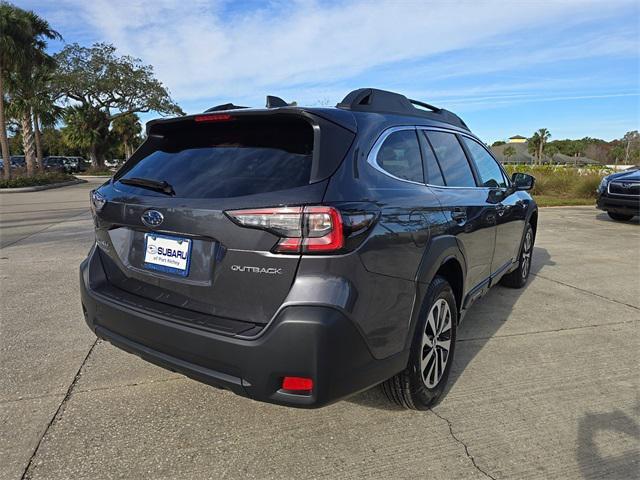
[485, 317]
[603, 217]
[595, 431]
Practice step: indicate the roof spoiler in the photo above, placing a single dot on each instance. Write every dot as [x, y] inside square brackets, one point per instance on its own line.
[224, 106]
[374, 100]
[272, 102]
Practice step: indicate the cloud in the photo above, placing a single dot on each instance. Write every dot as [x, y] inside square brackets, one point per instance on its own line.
[215, 49]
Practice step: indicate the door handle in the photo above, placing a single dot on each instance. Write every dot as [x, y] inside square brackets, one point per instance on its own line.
[459, 215]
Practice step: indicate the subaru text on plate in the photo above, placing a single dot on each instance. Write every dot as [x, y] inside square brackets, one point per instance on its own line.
[300, 255]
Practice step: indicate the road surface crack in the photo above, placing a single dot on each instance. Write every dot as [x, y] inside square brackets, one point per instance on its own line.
[538, 332]
[587, 291]
[466, 448]
[56, 416]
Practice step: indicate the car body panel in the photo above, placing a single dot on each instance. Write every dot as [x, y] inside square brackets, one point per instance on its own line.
[376, 284]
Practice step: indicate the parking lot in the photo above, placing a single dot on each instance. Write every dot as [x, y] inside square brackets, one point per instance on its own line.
[545, 380]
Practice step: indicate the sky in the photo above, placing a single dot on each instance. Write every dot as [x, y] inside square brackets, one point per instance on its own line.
[506, 67]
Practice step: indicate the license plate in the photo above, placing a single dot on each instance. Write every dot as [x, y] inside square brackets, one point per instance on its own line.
[167, 254]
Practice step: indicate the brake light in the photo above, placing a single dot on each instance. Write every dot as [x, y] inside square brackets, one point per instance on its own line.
[302, 229]
[213, 118]
[323, 229]
[297, 384]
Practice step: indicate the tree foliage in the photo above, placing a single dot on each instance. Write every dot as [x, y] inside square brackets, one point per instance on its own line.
[118, 85]
[106, 87]
[509, 151]
[127, 130]
[538, 142]
[24, 66]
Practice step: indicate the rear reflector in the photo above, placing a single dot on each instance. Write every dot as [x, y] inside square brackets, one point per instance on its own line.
[316, 229]
[297, 384]
[213, 118]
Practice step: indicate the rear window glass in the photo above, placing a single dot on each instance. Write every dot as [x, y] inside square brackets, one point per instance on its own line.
[452, 159]
[230, 159]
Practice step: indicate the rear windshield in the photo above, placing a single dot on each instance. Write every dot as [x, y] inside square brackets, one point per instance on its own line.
[230, 159]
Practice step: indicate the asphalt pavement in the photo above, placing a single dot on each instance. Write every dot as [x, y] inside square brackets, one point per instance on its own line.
[545, 381]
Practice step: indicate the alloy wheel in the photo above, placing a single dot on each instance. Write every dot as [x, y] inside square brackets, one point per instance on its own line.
[436, 343]
[526, 253]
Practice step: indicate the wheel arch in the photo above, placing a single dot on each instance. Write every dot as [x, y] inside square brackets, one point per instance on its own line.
[442, 257]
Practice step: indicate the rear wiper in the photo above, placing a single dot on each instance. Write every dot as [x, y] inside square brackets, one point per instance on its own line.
[158, 186]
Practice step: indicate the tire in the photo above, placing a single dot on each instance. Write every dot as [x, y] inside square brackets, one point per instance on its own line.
[518, 278]
[411, 388]
[622, 217]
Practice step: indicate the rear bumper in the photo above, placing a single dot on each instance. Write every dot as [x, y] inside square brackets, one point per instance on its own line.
[306, 341]
[625, 206]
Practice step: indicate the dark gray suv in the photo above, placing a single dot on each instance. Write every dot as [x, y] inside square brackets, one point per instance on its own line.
[300, 255]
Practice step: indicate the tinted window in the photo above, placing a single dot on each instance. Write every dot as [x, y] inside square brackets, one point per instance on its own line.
[488, 169]
[231, 159]
[400, 156]
[453, 161]
[432, 169]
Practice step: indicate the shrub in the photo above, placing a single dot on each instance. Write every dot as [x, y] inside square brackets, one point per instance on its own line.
[563, 181]
[586, 186]
[38, 179]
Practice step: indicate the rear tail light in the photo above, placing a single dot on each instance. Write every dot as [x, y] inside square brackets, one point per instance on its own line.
[302, 229]
[97, 201]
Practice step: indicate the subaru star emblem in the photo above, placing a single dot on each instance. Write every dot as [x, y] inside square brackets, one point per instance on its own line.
[152, 218]
[626, 185]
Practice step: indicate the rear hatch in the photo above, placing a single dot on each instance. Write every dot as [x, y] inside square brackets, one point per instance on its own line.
[162, 230]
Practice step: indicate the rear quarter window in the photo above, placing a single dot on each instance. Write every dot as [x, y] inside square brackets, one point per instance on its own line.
[400, 156]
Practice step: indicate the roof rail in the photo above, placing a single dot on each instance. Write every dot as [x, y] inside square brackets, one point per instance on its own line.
[224, 106]
[374, 100]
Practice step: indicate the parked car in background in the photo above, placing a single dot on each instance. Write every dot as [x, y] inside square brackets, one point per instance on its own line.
[75, 164]
[619, 194]
[56, 163]
[83, 164]
[18, 161]
[70, 164]
[300, 255]
[114, 163]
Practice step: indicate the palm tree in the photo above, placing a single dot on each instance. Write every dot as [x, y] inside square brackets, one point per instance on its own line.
[537, 143]
[25, 78]
[14, 36]
[127, 128]
[44, 111]
[509, 152]
[86, 128]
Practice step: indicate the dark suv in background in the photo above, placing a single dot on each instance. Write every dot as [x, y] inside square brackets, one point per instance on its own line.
[619, 194]
[299, 255]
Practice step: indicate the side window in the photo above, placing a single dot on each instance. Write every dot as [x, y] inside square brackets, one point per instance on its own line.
[488, 169]
[400, 156]
[452, 160]
[432, 169]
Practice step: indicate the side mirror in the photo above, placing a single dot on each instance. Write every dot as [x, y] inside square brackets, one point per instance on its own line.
[523, 181]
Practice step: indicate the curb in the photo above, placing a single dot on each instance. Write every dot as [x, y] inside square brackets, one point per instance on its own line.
[36, 188]
[94, 177]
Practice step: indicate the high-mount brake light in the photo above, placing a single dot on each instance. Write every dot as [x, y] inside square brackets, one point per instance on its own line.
[316, 229]
[213, 118]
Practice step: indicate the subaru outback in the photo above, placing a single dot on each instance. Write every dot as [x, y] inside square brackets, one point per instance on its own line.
[301, 255]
